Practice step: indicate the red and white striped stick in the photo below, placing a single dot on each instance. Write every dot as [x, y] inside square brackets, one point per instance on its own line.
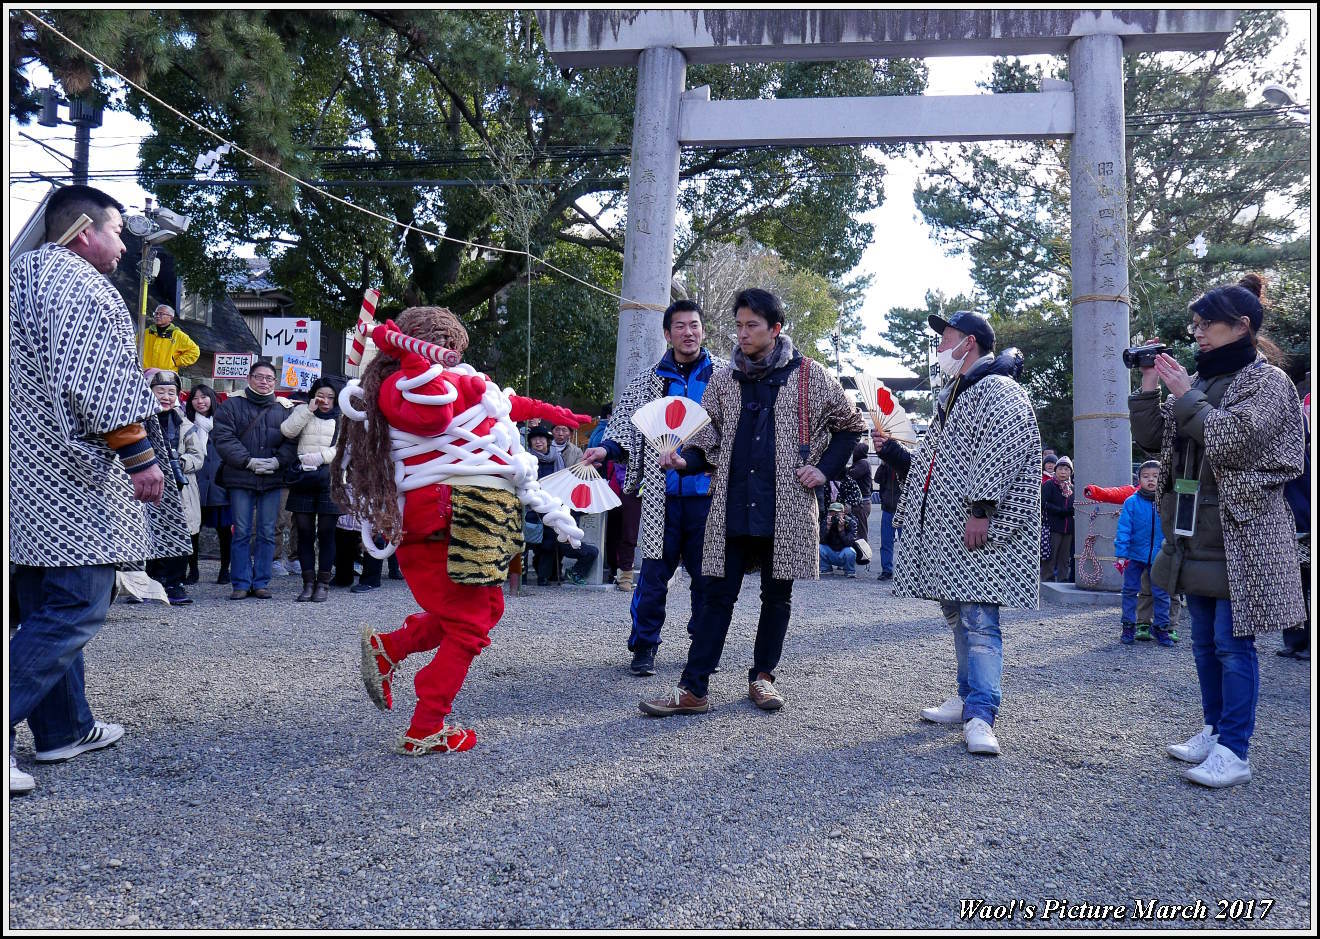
[366, 320]
[427, 350]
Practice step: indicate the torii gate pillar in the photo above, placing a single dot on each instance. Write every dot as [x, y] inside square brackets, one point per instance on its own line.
[1102, 440]
[648, 250]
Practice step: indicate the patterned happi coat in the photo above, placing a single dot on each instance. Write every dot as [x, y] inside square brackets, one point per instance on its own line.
[74, 377]
[989, 448]
[1254, 444]
[644, 474]
[796, 553]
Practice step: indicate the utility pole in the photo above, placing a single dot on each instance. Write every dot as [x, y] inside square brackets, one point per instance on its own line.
[83, 116]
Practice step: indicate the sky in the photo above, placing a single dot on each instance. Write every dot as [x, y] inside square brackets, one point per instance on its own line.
[904, 258]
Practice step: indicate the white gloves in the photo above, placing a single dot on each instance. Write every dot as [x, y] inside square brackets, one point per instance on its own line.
[311, 461]
[263, 466]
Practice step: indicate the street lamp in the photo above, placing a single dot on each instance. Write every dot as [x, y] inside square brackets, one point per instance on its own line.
[1278, 96]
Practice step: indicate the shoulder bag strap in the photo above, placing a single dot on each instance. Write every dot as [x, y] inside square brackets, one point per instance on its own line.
[804, 448]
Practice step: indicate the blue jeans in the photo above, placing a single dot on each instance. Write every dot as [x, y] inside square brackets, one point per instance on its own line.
[887, 541]
[980, 650]
[712, 624]
[1227, 670]
[60, 610]
[250, 570]
[685, 533]
[829, 558]
[1132, 575]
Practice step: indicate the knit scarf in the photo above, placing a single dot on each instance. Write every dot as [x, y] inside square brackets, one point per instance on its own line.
[1226, 359]
[204, 422]
[756, 369]
[259, 400]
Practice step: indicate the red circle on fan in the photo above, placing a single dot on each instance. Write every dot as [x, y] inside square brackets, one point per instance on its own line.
[674, 414]
[885, 400]
[581, 496]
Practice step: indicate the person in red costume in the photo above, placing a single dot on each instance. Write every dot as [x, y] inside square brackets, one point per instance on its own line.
[434, 464]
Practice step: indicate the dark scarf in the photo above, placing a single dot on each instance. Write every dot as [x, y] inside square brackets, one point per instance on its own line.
[260, 401]
[1226, 359]
[161, 331]
[756, 369]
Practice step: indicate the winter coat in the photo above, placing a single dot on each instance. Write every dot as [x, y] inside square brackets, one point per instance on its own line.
[837, 539]
[645, 477]
[796, 553]
[169, 349]
[860, 473]
[313, 433]
[986, 449]
[245, 429]
[1248, 427]
[209, 492]
[1058, 507]
[1139, 533]
[192, 457]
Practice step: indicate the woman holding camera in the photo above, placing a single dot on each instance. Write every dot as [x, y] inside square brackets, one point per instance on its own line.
[315, 425]
[1228, 439]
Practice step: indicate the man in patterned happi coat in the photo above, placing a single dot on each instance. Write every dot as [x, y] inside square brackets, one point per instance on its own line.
[84, 439]
[969, 517]
[675, 503]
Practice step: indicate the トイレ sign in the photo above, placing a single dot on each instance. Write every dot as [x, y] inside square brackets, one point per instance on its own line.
[290, 336]
[299, 373]
[232, 364]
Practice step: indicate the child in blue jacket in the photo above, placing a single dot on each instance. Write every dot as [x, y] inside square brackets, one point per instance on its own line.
[1138, 541]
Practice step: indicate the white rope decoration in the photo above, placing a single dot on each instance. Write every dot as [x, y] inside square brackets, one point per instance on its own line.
[461, 452]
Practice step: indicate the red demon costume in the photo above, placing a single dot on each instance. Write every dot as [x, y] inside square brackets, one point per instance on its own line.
[462, 479]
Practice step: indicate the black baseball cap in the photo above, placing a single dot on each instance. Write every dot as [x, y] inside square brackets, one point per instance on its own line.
[965, 321]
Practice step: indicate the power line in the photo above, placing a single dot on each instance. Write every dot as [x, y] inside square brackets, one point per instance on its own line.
[329, 195]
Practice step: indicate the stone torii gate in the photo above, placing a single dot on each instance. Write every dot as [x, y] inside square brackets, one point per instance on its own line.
[1089, 110]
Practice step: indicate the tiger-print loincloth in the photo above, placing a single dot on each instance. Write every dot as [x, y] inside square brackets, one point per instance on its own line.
[485, 532]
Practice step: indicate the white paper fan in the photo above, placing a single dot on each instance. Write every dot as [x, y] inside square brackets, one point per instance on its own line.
[582, 489]
[668, 423]
[886, 413]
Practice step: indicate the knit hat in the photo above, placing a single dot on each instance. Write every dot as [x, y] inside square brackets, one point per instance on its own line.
[163, 376]
[538, 431]
[1063, 461]
[1050, 459]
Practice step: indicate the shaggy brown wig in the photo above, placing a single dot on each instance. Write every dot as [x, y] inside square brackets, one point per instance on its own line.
[371, 494]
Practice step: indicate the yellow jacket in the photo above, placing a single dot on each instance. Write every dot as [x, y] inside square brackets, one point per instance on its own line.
[172, 350]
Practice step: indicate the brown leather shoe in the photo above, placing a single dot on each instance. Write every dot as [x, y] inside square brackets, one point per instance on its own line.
[763, 695]
[240, 594]
[261, 593]
[679, 701]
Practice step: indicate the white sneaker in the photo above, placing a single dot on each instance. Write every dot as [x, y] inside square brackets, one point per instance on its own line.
[1221, 769]
[293, 567]
[20, 783]
[277, 569]
[950, 712]
[101, 735]
[980, 738]
[1196, 749]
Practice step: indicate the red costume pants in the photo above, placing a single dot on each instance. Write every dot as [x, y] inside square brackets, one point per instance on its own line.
[455, 621]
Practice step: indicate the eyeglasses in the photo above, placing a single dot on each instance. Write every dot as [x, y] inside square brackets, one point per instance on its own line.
[261, 376]
[1203, 326]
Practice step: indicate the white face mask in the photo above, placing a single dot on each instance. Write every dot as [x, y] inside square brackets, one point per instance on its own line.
[949, 365]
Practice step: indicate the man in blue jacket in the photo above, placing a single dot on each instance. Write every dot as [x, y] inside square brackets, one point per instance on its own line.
[1137, 542]
[674, 502]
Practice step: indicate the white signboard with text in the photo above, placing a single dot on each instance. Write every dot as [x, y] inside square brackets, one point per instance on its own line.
[298, 373]
[233, 365]
[290, 336]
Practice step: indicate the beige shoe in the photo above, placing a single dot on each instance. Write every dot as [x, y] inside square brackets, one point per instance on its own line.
[623, 580]
[763, 695]
[679, 701]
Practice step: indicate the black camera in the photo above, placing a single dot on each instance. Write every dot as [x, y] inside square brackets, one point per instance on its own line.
[1142, 356]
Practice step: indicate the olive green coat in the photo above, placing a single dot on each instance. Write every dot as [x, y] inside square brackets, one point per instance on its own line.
[1249, 426]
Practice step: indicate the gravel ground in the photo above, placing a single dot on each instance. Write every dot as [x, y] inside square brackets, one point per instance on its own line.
[255, 786]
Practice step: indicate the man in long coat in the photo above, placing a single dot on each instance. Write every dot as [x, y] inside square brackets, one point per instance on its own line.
[80, 428]
[970, 516]
[674, 504]
[780, 426]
